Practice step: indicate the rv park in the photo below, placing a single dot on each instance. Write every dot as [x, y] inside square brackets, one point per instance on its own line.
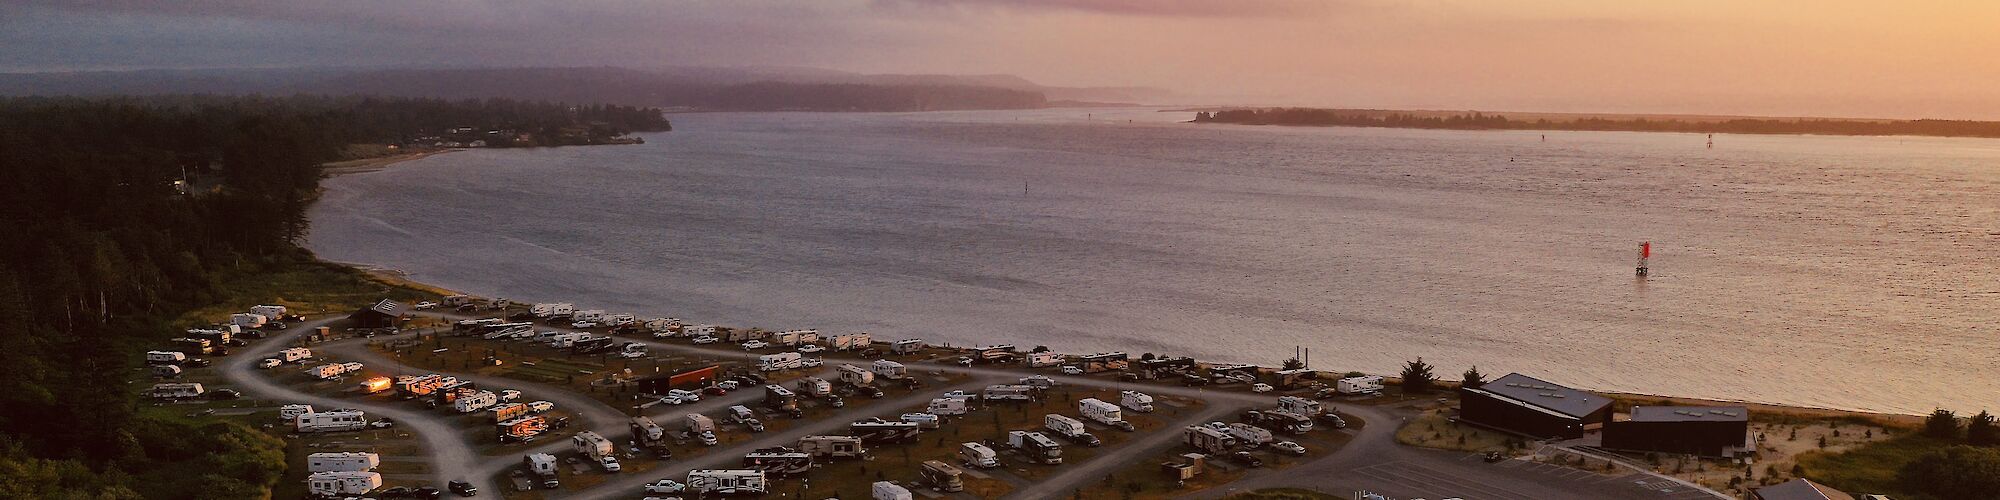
[465, 396]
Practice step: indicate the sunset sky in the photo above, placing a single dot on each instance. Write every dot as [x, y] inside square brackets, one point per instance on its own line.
[1766, 57]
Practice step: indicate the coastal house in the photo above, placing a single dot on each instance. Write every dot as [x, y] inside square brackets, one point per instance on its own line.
[1526, 405]
[1696, 430]
[383, 314]
[1799, 489]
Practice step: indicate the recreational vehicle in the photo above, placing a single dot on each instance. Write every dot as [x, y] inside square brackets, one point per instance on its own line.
[330, 421]
[352, 461]
[334, 484]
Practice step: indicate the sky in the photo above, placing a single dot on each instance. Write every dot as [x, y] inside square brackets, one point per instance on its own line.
[1847, 58]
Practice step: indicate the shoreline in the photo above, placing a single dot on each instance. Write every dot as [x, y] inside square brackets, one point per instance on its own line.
[376, 164]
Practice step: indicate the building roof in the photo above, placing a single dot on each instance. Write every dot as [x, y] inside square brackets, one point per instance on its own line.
[1546, 395]
[1690, 414]
[1801, 489]
[386, 308]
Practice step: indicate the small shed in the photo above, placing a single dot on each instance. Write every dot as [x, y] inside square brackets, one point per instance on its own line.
[383, 314]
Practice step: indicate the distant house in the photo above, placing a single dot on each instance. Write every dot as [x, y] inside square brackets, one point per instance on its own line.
[1799, 489]
[1526, 405]
[1696, 430]
[383, 314]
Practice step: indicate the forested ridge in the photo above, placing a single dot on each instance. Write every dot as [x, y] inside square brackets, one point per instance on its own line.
[103, 251]
[1483, 121]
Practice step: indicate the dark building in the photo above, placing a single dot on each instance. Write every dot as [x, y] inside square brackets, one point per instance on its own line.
[1799, 489]
[689, 379]
[1525, 405]
[1697, 430]
[383, 314]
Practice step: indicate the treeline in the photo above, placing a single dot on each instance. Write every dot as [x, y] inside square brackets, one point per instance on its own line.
[104, 250]
[1481, 121]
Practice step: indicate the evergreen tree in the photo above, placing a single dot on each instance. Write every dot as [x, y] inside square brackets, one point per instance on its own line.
[1474, 379]
[1979, 431]
[1417, 377]
[1942, 424]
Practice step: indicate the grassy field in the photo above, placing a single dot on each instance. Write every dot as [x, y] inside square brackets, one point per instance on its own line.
[1434, 430]
[1284, 494]
[1871, 467]
[307, 288]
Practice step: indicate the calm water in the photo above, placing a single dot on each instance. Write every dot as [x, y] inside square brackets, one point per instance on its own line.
[1838, 272]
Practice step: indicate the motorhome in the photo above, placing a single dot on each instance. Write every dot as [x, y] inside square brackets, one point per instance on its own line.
[978, 455]
[1208, 439]
[876, 430]
[923, 420]
[214, 336]
[1036, 446]
[166, 371]
[1135, 401]
[476, 401]
[888, 490]
[1008, 392]
[176, 391]
[411, 386]
[796, 337]
[855, 375]
[1370, 384]
[508, 330]
[552, 310]
[1003, 353]
[165, 357]
[592, 345]
[543, 465]
[779, 361]
[942, 476]
[1162, 367]
[726, 482]
[890, 369]
[295, 354]
[566, 340]
[1044, 359]
[597, 448]
[335, 484]
[946, 406]
[248, 320]
[779, 462]
[330, 421]
[698, 331]
[375, 385]
[832, 446]
[1104, 362]
[851, 341]
[907, 346]
[349, 461]
[1103, 413]
[1250, 435]
[1071, 429]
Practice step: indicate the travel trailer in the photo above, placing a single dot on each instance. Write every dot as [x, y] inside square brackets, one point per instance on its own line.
[335, 484]
[726, 482]
[330, 421]
[978, 455]
[1135, 401]
[1103, 413]
[832, 446]
[352, 461]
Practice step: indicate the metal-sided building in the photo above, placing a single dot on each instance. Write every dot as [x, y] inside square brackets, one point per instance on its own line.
[385, 313]
[1697, 430]
[1526, 405]
[1799, 489]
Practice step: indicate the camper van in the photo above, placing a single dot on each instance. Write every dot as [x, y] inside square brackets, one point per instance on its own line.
[1135, 401]
[330, 421]
[1103, 413]
[978, 455]
[334, 484]
[832, 446]
[351, 461]
[726, 482]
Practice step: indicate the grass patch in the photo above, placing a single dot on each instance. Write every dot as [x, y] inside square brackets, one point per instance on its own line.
[1434, 430]
[306, 288]
[1871, 467]
[1284, 494]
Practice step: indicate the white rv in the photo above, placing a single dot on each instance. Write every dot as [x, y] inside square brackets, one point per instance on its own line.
[597, 448]
[334, 484]
[1070, 428]
[351, 461]
[589, 315]
[855, 375]
[946, 406]
[1036, 446]
[832, 446]
[295, 354]
[291, 412]
[1300, 405]
[796, 337]
[175, 391]
[330, 421]
[1135, 401]
[978, 455]
[619, 320]
[1371, 384]
[1044, 358]
[1103, 413]
[890, 369]
[1250, 435]
[543, 466]
[779, 361]
[851, 341]
[698, 331]
[1007, 392]
[248, 320]
[552, 310]
[1208, 439]
[726, 482]
[884, 490]
[165, 357]
[271, 313]
[474, 402]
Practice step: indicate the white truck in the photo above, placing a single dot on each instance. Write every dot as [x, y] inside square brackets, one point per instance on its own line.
[552, 310]
[1043, 359]
[165, 357]
[855, 375]
[337, 484]
[890, 369]
[1071, 429]
[474, 402]
[1370, 384]
[597, 448]
[543, 465]
[295, 354]
[248, 320]
[851, 341]
[1250, 435]
[779, 361]
[1135, 401]
[330, 421]
[726, 482]
[978, 455]
[1036, 446]
[1103, 413]
[946, 406]
[346, 461]
[885, 490]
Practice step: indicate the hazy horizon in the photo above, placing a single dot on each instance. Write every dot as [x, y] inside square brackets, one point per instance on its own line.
[1784, 58]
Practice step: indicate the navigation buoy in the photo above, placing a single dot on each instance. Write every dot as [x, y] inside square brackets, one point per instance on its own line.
[1645, 252]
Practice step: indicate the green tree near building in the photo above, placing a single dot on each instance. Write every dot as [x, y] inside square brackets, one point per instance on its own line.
[1980, 431]
[1474, 379]
[1417, 377]
[1954, 472]
[1942, 424]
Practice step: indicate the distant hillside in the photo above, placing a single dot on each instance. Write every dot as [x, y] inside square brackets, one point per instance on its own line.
[1473, 120]
[686, 88]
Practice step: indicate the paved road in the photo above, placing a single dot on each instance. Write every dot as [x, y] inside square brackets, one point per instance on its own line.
[1146, 447]
[451, 457]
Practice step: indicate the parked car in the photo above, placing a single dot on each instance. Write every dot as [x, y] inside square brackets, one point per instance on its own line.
[810, 348]
[1332, 420]
[224, 394]
[541, 406]
[715, 390]
[427, 493]
[632, 354]
[1261, 387]
[382, 423]
[703, 340]
[509, 395]
[963, 361]
[1245, 458]
[1072, 370]
[754, 425]
[836, 402]
[425, 305]
[665, 486]
[755, 345]
[811, 363]
[1494, 456]
[269, 363]
[396, 492]
[462, 488]
[1290, 448]
[727, 385]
